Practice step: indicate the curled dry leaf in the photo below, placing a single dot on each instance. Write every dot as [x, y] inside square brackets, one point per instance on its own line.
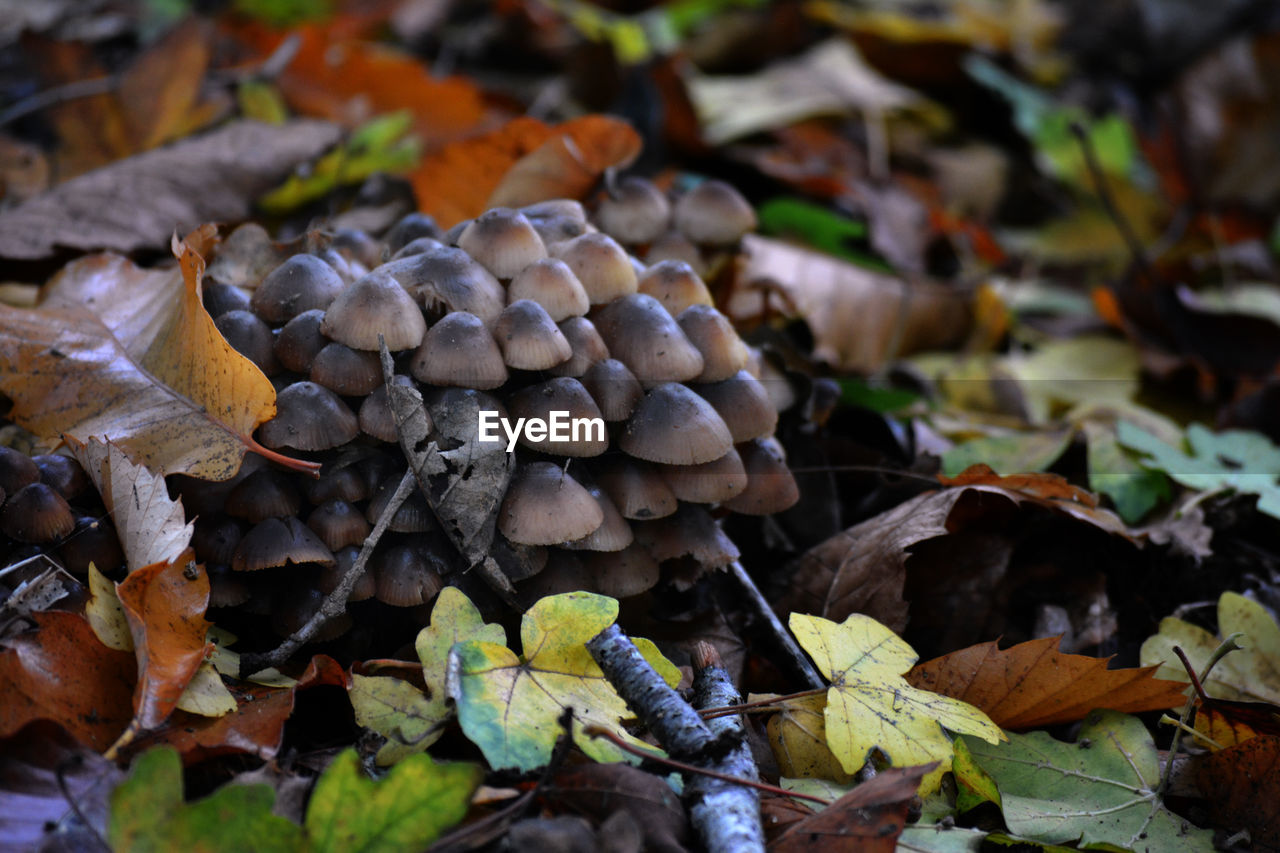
[1242, 785]
[868, 819]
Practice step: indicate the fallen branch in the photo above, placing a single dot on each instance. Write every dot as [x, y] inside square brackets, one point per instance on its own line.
[761, 610]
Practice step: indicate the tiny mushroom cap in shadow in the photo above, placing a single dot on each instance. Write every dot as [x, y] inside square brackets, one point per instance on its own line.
[621, 574]
[215, 537]
[309, 417]
[601, 265]
[711, 482]
[300, 341]
[251, 337]
[36, 514]
[587, 345]
[412, 516]
[349, 372]
[614, 388]
[689, 532]
[743, 403]
[613, 534]
[563, 394]
[448, 279]
[459, 351]
[634, 211]
[550, 283]
[278, 542]
[266, 493]
[299, 284]
[568, 208]
[331, 576]
[643, 336]
[372, 306]
[528, 338]
[338, 524]
[546, 506]
[723, 352]
[635, 487]
[375, 416]
[675, 285]
[62, 473]
[403, 577]
[714, 213]
[676, 426]
[16, 470]
[674, 246]
[503, 241]
[770, 486]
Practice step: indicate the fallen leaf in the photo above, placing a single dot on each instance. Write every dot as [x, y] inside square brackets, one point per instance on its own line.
[160, 92]
[148, 370]
[1242, 785]
[1251, 674]
[869, 704]
[138, 202]
[798, 737]
[408, 809]
[510, 706]
[1013, 452]
[206, 695]
[1033, 685]
[152, 527]
[61, 672]
[148, 813]
[600, 790]
[868, 819]
[105, 614]
[1055, 792]
[1224, 724]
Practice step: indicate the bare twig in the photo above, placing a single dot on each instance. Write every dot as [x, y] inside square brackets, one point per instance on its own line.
[761, 610]
[1224, 648]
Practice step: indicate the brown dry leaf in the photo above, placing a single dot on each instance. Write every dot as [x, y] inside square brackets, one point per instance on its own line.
[868, 819]
[61, 672]
[165, 605]
[459, 180]
[1049, 490]
[859, 318]
[161, 91]
[1032, 684]
[152, 526]
[139, 201]
[1225, 723]
[91, 131]
[1242, 785]
[599, 790]
[151, 372]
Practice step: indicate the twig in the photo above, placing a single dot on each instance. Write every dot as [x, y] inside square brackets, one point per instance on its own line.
[1226, 647]
[760, 608]
[759, 704]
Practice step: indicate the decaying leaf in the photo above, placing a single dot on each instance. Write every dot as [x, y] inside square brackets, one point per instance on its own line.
[600, 790]
[869, 704]
[1242, 785]
[105, 614]
[1033, 684]
[868, 819]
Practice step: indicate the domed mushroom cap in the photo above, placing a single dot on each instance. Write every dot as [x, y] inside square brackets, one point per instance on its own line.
[375, 305]
[613, 534]
[338, 524]
[689, 532]
[636, 488]
[412, 516]
[218, 299]
[503, 241]
[349, 372]
[770, 486]
[354, 243]
[744, 404]
[643, 336]
[411, 227]
[714, 213]
[614, 387]
[546, 506]
[16, 470]
[279, 542]
[250, 337]
[528, 338]
[723, 352]
[226, 589]
[264, 494]
[375, 416]
[300, 341]
[562, 404]
[601, 265]
[215, 538]
[459, 351]
[299, 284]
[587, 346]
[674, 246]
[309, 417]
[62, 473]
[634, 211]
[567, 208]
[93, 541]
[556, 231]
[403, 577]
[676, 426]
[711, 482]
[330, 576]
[550, 283]
[448, 279]
[675, 285]
[37, 514]
[621, 574]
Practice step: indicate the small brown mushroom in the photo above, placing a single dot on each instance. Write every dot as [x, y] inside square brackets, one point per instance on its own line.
[529, 340]
[346, 371]
[723, 352]
[375, 306]
[676, 426]
[714, 214]
[711, 482]
[613, 534]
[643, 336]
[299, 341]
[691, 532]
[567, 397]
[614, 387]
[503, 241]
[299, 284]
[215, 538]
[636, 488]
[587, 346]
[279, 542]
[338, 524]
[621, 574]
[448, 279]
[309, 417]
[674, 246]
[743, 403]
[251, 337]
[551, 284]
[264, 494]
[403, 577]
[375, 416]
[63, 473]
[634, 211]
[459, 351]
[601, 265]
[770, 486]
[16, 470]
[92, 541]
[330, 576]
[37, 514]
[675, 285]
[546, 506]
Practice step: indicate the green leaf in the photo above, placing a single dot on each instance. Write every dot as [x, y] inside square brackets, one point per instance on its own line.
[416, 802]
[870, 704]
[1134, 490]
[1015, 453]
[973, 787]
[454, 619]
[1098, 790]
[400, 712]
[821, 228]
[857, 392]
[510, 706]
[147, 813]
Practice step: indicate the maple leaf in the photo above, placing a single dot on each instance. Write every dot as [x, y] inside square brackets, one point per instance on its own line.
[509, 706]
[1033, 684]
[870, 704]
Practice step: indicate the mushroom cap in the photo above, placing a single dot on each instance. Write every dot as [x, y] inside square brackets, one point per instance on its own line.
[403, 577]
[689, 532]
[215, 538]
[278, 542]
[528, 338]
[93, 541]
[566, 396]
[634, 211]
[676, 426]
[309, 417]
[299, 284]
[448, 279]
[375, 416]
[226, 588]
[602, 266]
[613, 534]
[358, 245]
[16, 470]
[675, 285]
[346, 371]
[418, 246]
[674, 246]
[744, 404]
[267, 493]
[251, 337]
[556, 231]
[723, 352]
[636, 488]
[338, 524]
[299, 341]
[503, 241]
[770, 486]
[331, 576]
[346, 483]
[372, 306]
[587, 346]
[219, 298]
[622, 574]
[413, 516]
[62, 473]
[711, 482]
[459, 351]
[614, 387]
[546, 506]
[714, 214]
[643, 336]
[36, 514]
[411, 227]
[550, 283]
[568, 208]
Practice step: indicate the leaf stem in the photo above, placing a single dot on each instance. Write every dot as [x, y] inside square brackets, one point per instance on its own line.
[1224, 648]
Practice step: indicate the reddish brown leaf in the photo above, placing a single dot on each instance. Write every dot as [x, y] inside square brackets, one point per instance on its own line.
[165, 605]
[161, 89]
[1227, 723]
[868, 819]
[1242, 785]
[599, 790]
[1032, 684]
[568, 164]
[1033, 485]
[61, 672]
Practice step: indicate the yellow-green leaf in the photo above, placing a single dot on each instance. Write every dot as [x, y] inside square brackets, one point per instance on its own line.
[409, 719]
[206, 695]
[105, 614]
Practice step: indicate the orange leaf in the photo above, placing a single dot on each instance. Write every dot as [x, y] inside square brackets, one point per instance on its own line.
[162, 88]
[61, 672]
[131, 355]
[1032, 684]
[165, 604]
[868, 819]
[1229, 723]
[1242, 785]
[1035, 486]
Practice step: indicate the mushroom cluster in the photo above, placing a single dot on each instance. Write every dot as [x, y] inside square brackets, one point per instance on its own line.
[544, 313]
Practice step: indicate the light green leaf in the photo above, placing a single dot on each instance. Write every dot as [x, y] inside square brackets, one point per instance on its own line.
[400, 712]
[1013, 453]
[1134, 490]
